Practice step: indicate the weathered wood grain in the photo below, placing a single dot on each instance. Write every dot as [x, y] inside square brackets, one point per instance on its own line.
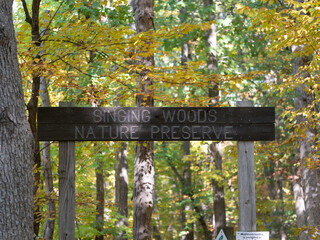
[144, 132]
[169, 124]
[246, 182]
[66, 188]
[205, 115]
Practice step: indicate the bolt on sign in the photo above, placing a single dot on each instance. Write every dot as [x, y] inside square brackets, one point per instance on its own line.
[156, 123]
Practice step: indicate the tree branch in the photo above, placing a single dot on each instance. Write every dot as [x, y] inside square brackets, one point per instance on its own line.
[174, 169]
[202, 221]
[26, 11]
[91, 76]
[50, 21]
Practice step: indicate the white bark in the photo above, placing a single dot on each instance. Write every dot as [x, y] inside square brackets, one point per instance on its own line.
[121, 195]
[310, 179]
[143, 166]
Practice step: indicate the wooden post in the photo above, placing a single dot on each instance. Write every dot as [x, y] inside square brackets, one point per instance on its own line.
[66, 186]
[246, 182]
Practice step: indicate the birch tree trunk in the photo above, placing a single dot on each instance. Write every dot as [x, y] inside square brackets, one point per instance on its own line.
[121, 196]
[310, 179]
[143, 167]
[16, 141]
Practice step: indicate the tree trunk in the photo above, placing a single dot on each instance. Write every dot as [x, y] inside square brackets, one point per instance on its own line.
[215, 149]
[310, 179]
[16, 141]
[219, 206]
[143, 191]
[187, 183]
[48, 229]
[32, 105]
[143, 167]
[99, 198]
[269, 171]
[186, 192]
[300, 207]
[121, 172]
[283, 234]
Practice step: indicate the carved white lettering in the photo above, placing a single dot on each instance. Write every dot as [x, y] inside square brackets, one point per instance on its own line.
[182, 116]
[228, 132]
[154, 130]
[217, 131]
[186, 132]
[113, 132]
[192, 116]
[202, 113]
[135, 116]
[165, 131]
[122, 116]
[145, 116]
[109, 115]
[79, 132]
[212, 115]
[124, 131]
[133, 130]
[168, 115]
[90, 133]
[206, 132]
[195, 132]
[102, 130]
[174, 132]
[97, 115]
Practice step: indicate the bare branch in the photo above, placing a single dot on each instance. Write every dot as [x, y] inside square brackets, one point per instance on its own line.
[26, 11]
[174, 169]
[91, 76]
[50, 21]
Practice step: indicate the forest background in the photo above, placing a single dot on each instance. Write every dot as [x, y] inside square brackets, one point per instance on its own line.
[206, 53]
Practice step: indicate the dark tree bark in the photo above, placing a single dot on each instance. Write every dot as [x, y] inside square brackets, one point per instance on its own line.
[187, 183]
[32, 105]
[121, 196]
[99, 198]
[197, 208]
[219, 206]
[269, 171]
[186, 191]
[16, 141]
[215, 149]
[283, 234]
[143, 167]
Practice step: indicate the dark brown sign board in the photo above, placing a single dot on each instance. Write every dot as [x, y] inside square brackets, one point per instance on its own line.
[156, 123]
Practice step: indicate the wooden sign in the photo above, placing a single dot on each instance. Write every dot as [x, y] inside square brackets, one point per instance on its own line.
[155, 123]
